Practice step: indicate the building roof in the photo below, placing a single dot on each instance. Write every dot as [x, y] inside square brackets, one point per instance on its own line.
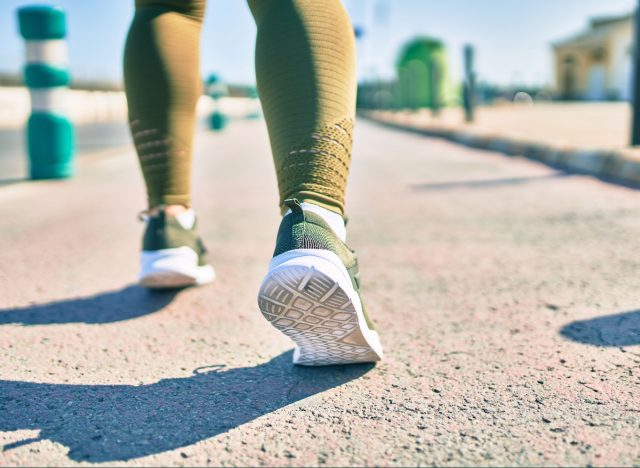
[599, 29]
[599, 21]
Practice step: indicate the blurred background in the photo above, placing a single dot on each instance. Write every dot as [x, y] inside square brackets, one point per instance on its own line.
[557, 71]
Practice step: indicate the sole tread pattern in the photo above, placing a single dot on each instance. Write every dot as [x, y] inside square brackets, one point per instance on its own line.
[317, 314]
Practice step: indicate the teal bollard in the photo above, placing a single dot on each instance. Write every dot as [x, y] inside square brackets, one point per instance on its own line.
[218, 121]
[216, 89]
[50, 134]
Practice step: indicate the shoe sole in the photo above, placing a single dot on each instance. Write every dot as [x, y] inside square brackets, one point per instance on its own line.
[173, 268]
[308, 296]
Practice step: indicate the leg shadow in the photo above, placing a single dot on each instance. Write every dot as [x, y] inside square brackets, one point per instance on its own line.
[114, 306]
[107, 423]
[611, 330]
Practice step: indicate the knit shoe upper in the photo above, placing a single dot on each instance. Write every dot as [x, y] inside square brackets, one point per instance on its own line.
[303, 229]
[165, 232]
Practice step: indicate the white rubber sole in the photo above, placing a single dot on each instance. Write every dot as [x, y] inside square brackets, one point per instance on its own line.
[173, 268]
[307, 295]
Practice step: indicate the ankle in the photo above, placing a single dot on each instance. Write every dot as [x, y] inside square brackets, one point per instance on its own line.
[333, 219]
[184, 214]
[172, 210]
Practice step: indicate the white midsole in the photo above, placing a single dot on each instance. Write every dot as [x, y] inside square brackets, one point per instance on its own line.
[179, 261]
[328, 263]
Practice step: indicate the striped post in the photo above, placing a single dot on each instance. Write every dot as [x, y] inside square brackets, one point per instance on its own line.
[217, 89]
[50, 137]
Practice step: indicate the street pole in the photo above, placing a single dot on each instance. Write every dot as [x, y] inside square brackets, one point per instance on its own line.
[635, 125]
[434, 82]
[469, 92]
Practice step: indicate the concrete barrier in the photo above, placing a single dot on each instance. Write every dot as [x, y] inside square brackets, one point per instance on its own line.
[103, 106]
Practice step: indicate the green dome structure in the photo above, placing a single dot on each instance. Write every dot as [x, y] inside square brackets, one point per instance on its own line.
[422, 62]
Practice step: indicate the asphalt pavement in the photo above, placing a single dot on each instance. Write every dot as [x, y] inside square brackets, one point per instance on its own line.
[505, 293]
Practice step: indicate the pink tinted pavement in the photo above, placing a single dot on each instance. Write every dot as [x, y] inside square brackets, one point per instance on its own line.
[505, 293]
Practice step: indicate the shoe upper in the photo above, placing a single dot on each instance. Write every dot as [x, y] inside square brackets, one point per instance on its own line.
[165, 232]
[302, 229]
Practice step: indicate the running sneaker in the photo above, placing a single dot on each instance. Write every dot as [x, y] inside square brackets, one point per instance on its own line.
[173, 256]
[311, 294]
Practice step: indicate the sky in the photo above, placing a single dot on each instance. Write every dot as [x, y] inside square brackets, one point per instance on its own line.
[512, 37]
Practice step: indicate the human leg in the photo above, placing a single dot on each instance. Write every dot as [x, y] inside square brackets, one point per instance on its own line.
[162, 83]
[305, 68]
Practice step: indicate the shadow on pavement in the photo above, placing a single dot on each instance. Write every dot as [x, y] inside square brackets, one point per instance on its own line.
[488, 183]
[106, 423]
[611, 330]
[114, 306]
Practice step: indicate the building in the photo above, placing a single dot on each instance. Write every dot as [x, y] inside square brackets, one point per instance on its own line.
[596, 64]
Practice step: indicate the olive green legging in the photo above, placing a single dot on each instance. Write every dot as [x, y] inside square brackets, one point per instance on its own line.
[305, 69]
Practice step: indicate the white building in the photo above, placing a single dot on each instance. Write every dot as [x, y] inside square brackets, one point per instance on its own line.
[596, 64]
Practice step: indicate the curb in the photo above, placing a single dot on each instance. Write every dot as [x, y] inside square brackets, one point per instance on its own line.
[618, 166]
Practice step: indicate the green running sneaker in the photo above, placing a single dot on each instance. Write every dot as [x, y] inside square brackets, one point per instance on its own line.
[311, 294]
[173, 256]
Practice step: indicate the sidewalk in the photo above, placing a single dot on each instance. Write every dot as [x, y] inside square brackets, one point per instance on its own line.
[590, 138]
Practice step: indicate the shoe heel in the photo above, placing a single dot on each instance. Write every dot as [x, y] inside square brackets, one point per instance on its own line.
[308, 298]
[173, 268]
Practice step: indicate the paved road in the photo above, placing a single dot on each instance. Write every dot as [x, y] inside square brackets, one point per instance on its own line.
[506, 294]
[92, 137]
[89, 138]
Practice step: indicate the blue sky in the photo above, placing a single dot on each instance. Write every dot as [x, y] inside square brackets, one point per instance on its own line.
[512, 37]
